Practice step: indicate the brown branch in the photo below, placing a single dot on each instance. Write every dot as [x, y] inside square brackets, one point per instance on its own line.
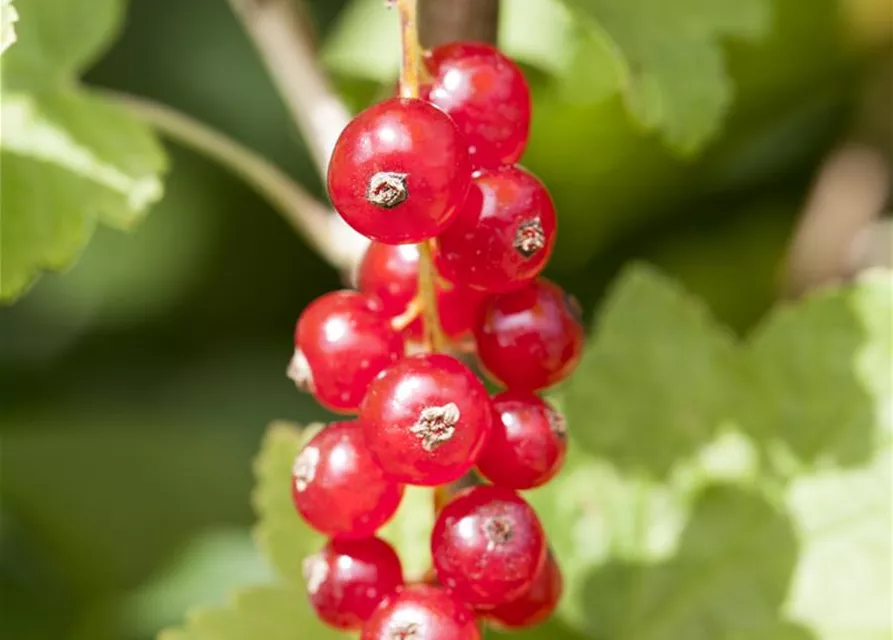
[846, 200]
[280, 31]
[321, 227]
[281, 34]
[442, 21]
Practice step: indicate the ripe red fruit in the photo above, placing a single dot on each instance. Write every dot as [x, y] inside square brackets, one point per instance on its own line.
[503, 235]
[487, 546]
[426, 419]
[399, 171]
[536, 604]
[338, 488]
[530, 338]
[343, 339]
[422, 612]
[391, 272]
[347, 579]
[486, 95]
[527, 444]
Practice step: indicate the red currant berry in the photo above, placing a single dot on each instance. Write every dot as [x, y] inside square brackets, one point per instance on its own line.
[536, 604]
[348, 579]
[487, 546]
[530, 338]
[527, 444]
[391, 272]
[486, 95]
[422, 612]
[458, 308]
[426, 419]
[503, 235]
[399, 171]
[338, 488]
[343, 339]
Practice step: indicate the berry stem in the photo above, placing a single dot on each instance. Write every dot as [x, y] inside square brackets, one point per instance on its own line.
[410, 75]
[322, 228]
[281, 33]
[433, 333]
[411, 63]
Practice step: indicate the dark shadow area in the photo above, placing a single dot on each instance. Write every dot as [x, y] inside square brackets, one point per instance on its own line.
[727, 581]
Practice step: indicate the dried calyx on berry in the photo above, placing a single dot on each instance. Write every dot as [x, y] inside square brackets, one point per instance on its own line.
[426, 419]
[399, 171]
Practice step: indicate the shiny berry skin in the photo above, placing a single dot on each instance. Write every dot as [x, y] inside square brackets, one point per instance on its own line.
[422, 612]
[487, 546]
[530, 338]
[399, 171]
[391, 272]
[343, 339]
[347, 579]
[536, 604]
[486, 95]
[426, 419]
[503, 235]
[338, 488]
[458, 308]
[527, 444]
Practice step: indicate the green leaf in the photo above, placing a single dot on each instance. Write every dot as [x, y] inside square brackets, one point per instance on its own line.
[605, 525]
[821, 372]
[70, 158]
[639, 409]
[670, 59]
[275, 612]
[203, 573]
[536, 32]
[842, 587]
[678, 528]
[409, 531]
[282, 535]
[8, 17]
[665, 56]
[271, 613]
[59, 38]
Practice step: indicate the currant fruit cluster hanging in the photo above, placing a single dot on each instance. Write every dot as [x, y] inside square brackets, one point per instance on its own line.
[460, 234]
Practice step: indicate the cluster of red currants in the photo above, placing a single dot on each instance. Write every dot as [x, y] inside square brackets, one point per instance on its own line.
[437, 169]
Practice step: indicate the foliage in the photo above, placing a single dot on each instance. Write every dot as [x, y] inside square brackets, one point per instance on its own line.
[690, 515]
[717, 487]
[8, 18]
[666, 57]
[70, 157]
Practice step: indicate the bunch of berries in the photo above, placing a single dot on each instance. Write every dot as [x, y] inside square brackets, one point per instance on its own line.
[438, 170]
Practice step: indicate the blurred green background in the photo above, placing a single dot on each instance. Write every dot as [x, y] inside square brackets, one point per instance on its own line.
[134, 388]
